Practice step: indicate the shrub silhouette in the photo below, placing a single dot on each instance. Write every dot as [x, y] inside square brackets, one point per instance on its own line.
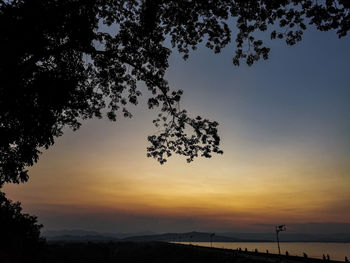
[20, 239]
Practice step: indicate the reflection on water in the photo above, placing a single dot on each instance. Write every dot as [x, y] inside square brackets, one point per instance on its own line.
[337, 251]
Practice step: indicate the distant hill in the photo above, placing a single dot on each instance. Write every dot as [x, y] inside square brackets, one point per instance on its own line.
[86, 238]
[80, 232]
[93, 236]
[183, 237]
[77, 235]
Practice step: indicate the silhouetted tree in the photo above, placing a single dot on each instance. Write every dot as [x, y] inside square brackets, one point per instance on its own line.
[20, 239]
[68, 60]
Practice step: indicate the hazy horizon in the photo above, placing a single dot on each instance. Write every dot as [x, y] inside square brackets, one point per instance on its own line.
[307, 228]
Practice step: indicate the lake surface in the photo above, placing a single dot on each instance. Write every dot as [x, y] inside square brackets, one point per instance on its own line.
[336, 251]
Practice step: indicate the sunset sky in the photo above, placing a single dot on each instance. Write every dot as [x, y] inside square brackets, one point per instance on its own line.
[285, 130]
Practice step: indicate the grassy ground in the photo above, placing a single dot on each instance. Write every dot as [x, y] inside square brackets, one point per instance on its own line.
[155, 252]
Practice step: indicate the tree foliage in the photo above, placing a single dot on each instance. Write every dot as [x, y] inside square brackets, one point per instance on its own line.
[57, 67]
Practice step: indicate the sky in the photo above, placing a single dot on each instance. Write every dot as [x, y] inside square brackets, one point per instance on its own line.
[285, 133]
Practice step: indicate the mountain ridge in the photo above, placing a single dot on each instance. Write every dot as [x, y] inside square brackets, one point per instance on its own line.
[194, 236]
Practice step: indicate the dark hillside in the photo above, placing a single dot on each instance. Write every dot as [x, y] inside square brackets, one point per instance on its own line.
[158, 252]
[155, 252]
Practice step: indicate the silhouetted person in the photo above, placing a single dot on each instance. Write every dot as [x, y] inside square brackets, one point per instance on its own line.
[346, 259]
[324, 257]
[304, 255]
[287, 254]
[328, 257]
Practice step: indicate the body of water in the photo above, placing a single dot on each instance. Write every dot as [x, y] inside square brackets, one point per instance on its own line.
[336, 251]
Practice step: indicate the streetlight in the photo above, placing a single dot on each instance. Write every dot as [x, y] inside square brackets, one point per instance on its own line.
[279, 229]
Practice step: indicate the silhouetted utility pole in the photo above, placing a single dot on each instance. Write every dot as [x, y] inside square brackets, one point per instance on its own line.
[279, 229]
[211, 239]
